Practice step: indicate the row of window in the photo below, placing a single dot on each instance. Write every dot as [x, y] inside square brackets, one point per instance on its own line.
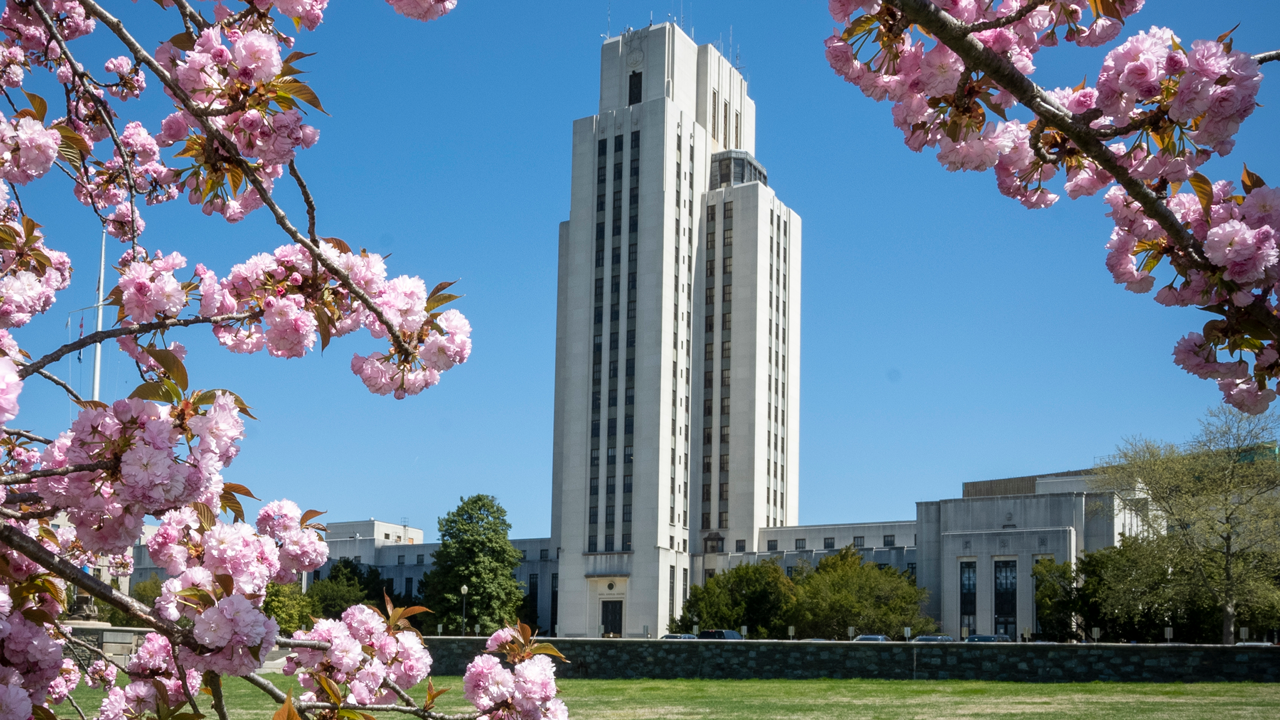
[610, 485]
[608, 517]
[593, 544]
[612, 456]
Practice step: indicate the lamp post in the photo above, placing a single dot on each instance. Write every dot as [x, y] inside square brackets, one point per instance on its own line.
[464, 610]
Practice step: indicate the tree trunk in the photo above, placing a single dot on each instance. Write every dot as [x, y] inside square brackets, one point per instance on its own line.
[1229, 622]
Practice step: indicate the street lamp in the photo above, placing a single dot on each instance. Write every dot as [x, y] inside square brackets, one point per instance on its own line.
[464, 610]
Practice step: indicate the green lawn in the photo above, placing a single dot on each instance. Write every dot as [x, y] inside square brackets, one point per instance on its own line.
[832, 699]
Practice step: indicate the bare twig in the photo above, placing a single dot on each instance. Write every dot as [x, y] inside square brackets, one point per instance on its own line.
[101, 335]
[59, 382]
[309, 644]
[306, 198]
[1009, 19]
[1267, 57]
[75, 706]
[282, 219]
[28, 436]
[26, 477]
[190, 14]
[95, 650]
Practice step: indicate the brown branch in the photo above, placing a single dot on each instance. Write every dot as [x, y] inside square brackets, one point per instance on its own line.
[309, 644]
[282, 219]
[75, 706]
[279, 696]
[219, 704]
[57, 381]
[28, 435]
[26, 477]
[80, 643]
[1009, 19]
[306, 198]
[956, 35]
[29, 515]
[101, 335]
[190, 13]
[42, 556]
[1267, 57]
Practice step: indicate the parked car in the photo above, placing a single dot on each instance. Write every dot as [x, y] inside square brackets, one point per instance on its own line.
[719, 635]
[988, 638]
[679, 636]
[871, 638]
[934, 638]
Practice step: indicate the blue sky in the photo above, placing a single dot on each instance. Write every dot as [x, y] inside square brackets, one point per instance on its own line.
[948, 334]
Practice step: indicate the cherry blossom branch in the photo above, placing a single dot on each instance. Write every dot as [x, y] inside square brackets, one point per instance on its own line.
[282, 219]
[28, 515]
[26, 477]
[14, 537]
[410, 709]
[1267, 57]
[308, 644]
[101, 335]
[76, 707]
[57, 381]
[426, 714]
[218, 703]
[271, 690]
[28, 436]
[956, 35]
[1009, 19]
[191, 14]
[80, 75]
[66, 635]
[306, 198]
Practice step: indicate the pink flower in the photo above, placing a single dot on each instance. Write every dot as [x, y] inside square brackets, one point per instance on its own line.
[486, 683]
[10, 388]
[258, 57]
[1246, 253]
[505, 635]
[423, 9]
[15, 703]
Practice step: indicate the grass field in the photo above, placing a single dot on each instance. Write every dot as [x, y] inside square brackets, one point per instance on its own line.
[840, 699]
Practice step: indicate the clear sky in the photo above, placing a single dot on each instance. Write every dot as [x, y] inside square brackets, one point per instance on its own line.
[948, 334]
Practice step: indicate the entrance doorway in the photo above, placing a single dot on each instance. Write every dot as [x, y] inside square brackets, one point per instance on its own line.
[611, 617]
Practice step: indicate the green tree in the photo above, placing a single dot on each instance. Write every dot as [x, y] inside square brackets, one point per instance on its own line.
[1057, 597]
[291, 609]
[346, 585]
[474, 551]
[845, 591]
[144, 592]
[1217, 499]
[760, 597]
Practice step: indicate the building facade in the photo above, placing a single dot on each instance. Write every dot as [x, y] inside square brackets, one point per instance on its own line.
[670, 217]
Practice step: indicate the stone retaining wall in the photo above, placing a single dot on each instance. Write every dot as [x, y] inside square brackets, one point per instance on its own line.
[745, 659]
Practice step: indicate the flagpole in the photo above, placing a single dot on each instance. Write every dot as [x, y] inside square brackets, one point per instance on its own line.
[97, 349]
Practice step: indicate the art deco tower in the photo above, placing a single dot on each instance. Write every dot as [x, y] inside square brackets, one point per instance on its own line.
[671, 435]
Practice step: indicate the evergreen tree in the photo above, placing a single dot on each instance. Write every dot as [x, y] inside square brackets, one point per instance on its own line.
[845, 591]
[474, 551]
[348, 584]
[760, 597]
[291, 609]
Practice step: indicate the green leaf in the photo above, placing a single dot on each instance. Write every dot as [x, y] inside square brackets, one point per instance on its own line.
[441, 299]
[1204, 191]
[301, 91]
[155, 392]
[171, 364]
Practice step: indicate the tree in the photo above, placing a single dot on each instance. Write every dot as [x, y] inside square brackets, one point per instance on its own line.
[1160, 108]
[1218, 500]
[347, 584]
[144, 591]
[758, 596]
[289, 607]
[235, 127]
[474, 551]
[845, 591]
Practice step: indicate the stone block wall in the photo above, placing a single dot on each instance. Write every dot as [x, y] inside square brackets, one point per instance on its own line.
[746, 659]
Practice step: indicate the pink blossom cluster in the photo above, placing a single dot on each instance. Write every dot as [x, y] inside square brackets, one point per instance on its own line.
[148, 289]
[32, 669]
[31, 275]
[107, 187]
[151, 663]
[107, 507]
[10, 389]
[527, 692]
[436, 354]
[300, 549]
[363, 654]
[27, 149]
[423, 9]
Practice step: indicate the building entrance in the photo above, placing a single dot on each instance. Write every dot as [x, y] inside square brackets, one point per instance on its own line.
[611, 617]
[1006, 598]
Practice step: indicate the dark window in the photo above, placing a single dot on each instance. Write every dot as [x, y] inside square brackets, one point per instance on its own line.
[635, 135]
[408, 587]
[595, 457]
[630, 424]
[595, 429]
[728, 293]
[593, 516]
[631, 400]
[889, 541]
[626, 542]
[1006, 598]
[706, 521]
[740, 546]
[617, 143]
[626, 454]
[968, 597]
[602, 148]
[631, 338]
[800, 543]
[635, 167]
[608, 543]
[706, 383]
[543, 555]
[772, 545]
[591, 544]
[626, 483]
[858, 541]
[828, 543]
[600, 203]
[631, 281]
[724, 491]
[421, 559]
[633, 97]
[724, 523]
[631, 367]
[613, 456]
[626, 512]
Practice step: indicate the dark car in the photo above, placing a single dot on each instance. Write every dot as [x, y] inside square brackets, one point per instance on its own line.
[988, 638]
[679, 636]
[719, 635]
[871, 638]
[934, 638]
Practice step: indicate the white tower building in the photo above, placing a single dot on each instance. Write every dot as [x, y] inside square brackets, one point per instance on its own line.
[649, 380]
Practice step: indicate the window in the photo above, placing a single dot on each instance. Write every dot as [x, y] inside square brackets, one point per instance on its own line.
[706, 521]
[711, 323]
[408, 587]
[595, 452]
[888, 540]
[631, 367]
[724, 346]
[524, 554]
[631, 396]
[706, 383]
[740, 546]
[602, 147]
[911, 570]
[859, 541]
[724, 491]
[599, 297]
[399, 559]
[728, 263]
[593, 516]
[422, 559]
[631, 281]
[1006, 598]
[635, 134]
[626, 454]
[711, 268]
[631, 338]
[626, 483]
[706, 489]
[726, 321]
[706, 407]
[724, 435]
[634, 84]
[710, 352]
[724, 463]
[608, 543]
[800, 543]
[356, 559]
[626, 512]
[715, 103]
[626, 542]
[635, 167]
[772, 545]
[724, 520]
[617, 143]
[728, 292]
[728, 238]
[591, 544]
[828, 543]
[711, 295]
[968, 598]
[724, 375]
[724, 406]
[706, 465]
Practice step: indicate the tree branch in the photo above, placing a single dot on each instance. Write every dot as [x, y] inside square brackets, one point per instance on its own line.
[213, 133]
[1267, 57]
[28, 435]
[19, 541]
[956, 35]
[98, 651]
[101, 335]
[309, 644]
[219, 704]
[26, 477]
[1009, 19]
[59, 382]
